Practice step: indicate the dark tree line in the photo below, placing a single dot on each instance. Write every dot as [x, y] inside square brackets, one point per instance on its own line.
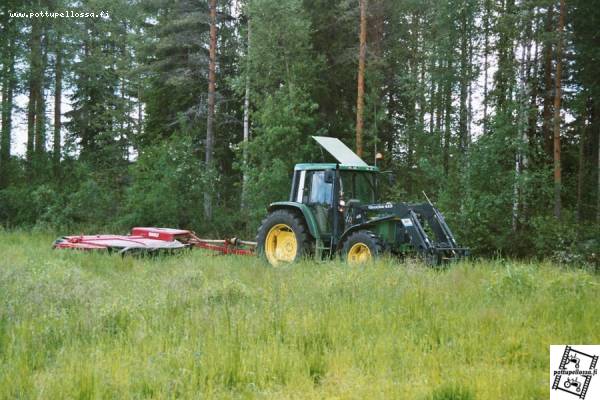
[492, 107]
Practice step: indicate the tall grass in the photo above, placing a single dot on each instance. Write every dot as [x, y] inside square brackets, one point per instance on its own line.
[86, 325]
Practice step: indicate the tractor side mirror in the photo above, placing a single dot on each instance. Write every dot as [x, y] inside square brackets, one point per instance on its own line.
[391, 177]
[329, 176]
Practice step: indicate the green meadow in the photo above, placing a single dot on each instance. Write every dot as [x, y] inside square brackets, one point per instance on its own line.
[88, 325]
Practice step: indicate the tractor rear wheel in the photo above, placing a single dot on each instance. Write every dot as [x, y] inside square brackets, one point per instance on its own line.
[282, 238]
[362, 247]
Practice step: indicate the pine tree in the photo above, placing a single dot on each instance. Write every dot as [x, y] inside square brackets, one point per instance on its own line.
[9, 81]
[362, 54]
[557, 119]
[210, 133]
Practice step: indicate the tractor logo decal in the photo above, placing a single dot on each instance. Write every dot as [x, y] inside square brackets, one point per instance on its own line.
[380, 206]
[573, 371]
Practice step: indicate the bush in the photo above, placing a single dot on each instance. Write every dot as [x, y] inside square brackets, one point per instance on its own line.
[167, 187]
[566, 241]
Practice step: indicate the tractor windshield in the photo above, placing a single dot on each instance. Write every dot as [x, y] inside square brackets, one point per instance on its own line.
[358, 186]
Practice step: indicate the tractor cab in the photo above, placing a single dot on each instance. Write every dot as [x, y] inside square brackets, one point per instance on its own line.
[328, 189]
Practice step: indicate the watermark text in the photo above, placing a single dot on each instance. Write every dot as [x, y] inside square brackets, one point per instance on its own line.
[58, 14]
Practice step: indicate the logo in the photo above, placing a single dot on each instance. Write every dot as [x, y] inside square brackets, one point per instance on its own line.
[380, 206]
[573, 372]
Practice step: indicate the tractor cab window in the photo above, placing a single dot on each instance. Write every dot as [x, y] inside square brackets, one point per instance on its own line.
[358, 186]
[320, 191]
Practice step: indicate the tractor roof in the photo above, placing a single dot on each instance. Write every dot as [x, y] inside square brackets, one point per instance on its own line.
[340, 151]
[323, 166]
[348, 160]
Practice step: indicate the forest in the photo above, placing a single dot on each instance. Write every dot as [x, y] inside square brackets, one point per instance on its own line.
[192, 113]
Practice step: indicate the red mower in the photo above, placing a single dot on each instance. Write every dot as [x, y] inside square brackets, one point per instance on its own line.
[152, 241]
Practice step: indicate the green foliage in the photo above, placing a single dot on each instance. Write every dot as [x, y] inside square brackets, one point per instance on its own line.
[486, 209]
[285, 121]
[167, 186]
[93, 325]
[100, 106]
[570, 243]
[174, 62]
[280, 52]
[282, 70]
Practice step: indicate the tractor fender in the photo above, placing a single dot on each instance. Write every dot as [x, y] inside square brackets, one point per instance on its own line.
[358, 227]
[309, 218]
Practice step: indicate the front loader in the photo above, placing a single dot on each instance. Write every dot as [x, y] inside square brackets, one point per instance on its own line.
[334, 209]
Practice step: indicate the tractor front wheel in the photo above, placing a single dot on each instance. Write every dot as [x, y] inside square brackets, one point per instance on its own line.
[362, 247]
[282, 238]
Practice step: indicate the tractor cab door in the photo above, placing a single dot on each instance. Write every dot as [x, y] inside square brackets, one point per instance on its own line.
[319, 198]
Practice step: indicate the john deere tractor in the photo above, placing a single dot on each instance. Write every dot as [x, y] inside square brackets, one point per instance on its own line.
[334, 209]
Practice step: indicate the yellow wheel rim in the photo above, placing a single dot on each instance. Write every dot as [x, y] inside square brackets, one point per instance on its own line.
[359, 253]
[280, 244]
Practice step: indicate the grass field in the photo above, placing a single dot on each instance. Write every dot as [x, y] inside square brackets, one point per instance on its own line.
[83, 325]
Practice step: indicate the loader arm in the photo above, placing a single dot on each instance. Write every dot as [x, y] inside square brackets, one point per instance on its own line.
[439, 248]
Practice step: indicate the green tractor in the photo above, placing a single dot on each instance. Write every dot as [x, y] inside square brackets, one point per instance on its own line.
[334, 209]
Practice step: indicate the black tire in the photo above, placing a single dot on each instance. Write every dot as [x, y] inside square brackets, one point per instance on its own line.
[293, 221]
[371, 240]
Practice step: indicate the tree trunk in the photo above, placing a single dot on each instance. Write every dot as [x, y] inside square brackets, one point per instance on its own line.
[392, 106]
[40, 104]
[520, 213]
[470, 90]
[581, 166]
[504, 81]
[439, 101]
[486, 52]
[464, 84]
[211, 106]
[139, 110]
[57, 109]
[466, 162]
[34, 67]
[422, 85]
[246, 122]
[447, 118]
[547, 111]
[557, 98]
[431, 95]
[362, 53]
[8, 86]
[533, 110]
[522, 101]
[595, 138]
[411, 128]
